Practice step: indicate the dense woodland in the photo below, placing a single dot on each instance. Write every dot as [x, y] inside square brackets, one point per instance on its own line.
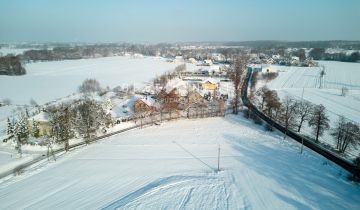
[11, 65]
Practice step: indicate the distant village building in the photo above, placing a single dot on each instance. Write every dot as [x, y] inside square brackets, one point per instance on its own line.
[179, 59]
[218, 57]
[276, 57]
[138, 55]
[193, 60]
[269, 69]
[195, 98]
[209, 84]
[208, 62]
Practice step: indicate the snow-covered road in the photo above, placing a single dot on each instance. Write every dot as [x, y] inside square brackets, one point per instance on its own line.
[174, 166]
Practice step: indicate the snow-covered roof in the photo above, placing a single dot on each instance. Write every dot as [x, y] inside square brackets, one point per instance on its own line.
[180, 85]
[41, 117]
[148, 101]
[210, 80]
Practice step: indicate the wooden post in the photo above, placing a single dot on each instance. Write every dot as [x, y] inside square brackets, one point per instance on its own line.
[218, 166]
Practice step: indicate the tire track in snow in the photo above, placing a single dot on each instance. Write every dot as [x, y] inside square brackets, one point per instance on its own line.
[186, 199]
[171, 188]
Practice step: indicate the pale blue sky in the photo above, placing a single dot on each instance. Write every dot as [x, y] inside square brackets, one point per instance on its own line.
[181, 20]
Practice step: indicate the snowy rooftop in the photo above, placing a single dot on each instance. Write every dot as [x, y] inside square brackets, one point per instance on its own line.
[180, 85]
[42, 117]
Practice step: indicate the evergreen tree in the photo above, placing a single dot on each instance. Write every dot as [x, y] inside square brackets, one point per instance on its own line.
[10, 127]
[35, 129]
[61, 125]
[90, 116]
[21, 132]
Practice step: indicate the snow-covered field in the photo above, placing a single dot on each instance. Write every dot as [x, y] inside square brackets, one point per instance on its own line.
[298, 81]
[173, 166]
[14, 51]
[292, 80]
[47, 81]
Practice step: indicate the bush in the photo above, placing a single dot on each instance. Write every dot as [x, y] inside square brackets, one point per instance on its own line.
[89, 86]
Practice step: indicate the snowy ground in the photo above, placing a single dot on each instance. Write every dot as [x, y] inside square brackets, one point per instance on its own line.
[153, 168]
[55, 80]
[47, 81]
[292, 80]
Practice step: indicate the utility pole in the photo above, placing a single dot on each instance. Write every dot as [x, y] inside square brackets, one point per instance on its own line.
[302, 138]
[218, 158]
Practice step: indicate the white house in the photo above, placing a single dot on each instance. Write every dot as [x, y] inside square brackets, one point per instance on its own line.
[208, 62]
[179, 59]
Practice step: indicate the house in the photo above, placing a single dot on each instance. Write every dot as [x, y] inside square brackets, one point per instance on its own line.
[193, 61]
[170, 101]
[209, 84]
[295, 58]
[195, 105]
[194, 98]
[276, 57]
[269, 70]
[145, 105]
[270, 61]
[43, 121]
[208, 62]
[138, 55]
[218, 57]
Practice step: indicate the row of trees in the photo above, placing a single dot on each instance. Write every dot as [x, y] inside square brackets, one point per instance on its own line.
[84, 118]
[293, 114]
[321, 54]
[21, 129]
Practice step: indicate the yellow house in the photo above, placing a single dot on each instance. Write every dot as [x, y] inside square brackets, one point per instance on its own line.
[43, 121]
[209, 84]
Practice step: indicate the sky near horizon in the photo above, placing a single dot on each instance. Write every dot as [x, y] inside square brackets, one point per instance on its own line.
[178, 20]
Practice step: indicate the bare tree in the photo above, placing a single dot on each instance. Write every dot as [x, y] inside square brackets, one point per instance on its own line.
[262, 94]
[319, 121]
[89, 86]
[346, 133]
[236, 75]
[5, 102]
[33, 103]
[302, 111]
[288, 114]
[272, 104]
[180, 68]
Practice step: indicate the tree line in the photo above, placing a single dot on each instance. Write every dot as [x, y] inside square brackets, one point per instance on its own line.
[11, 65]
[321, 54]
[83, 117]
[293, 114]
